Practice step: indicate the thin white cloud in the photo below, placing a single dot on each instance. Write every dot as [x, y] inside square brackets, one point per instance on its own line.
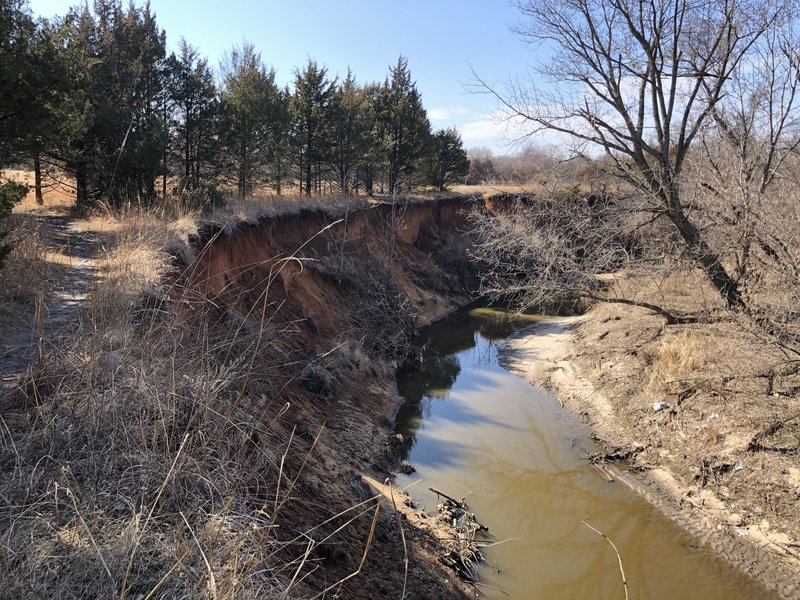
[493, 128]
[450, 113]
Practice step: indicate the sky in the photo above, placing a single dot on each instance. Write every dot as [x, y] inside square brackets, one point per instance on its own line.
[442, 39]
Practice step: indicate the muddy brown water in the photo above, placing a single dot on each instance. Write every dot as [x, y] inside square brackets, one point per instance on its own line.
[473, 429]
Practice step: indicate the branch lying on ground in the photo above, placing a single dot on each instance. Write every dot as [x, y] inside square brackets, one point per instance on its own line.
[671, 318]
[773, 428]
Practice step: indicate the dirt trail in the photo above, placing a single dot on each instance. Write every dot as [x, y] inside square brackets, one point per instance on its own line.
[77, 272]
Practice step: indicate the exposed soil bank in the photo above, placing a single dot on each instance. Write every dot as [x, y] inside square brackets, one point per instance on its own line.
[693, 458]
[339, 299]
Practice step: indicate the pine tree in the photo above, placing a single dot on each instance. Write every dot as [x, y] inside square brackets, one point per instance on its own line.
[20, 86]
[17, 32]
[118, 131]
[194, 108]
[350, 128]
[33, 80]
[404, 126]
[279, 156]
[311, 117]
[373, 162]
[250, 102]
[446, 160]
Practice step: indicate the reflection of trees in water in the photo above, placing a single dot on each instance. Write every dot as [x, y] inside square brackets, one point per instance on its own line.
[457, 332]
[484, 356]
[432, 379]
[440, 345]
[451, 335]
[498, 328]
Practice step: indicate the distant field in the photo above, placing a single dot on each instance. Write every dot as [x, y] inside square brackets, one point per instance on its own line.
[491, 190]
[62, 195]
[55, 194]
[537, 188]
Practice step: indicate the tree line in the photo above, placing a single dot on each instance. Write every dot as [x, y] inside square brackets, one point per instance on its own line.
[95, 95]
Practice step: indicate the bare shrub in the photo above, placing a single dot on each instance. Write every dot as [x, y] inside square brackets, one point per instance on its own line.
[383, 318]
[540, 251]
[753, 220]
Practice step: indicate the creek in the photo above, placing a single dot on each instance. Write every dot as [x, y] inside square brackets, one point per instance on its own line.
[473, 429]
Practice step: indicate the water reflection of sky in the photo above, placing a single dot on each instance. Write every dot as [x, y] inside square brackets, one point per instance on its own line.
[472, 428]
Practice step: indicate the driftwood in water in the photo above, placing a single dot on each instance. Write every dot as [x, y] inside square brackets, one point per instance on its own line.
[462, 505]
[462, 552]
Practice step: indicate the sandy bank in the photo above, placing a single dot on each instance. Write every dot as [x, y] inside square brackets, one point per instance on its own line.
[605, 384]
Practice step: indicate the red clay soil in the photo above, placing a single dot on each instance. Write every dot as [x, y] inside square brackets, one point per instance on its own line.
[341, 298]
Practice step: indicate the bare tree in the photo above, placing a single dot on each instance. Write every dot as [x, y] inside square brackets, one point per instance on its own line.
[753, 133]
[636, 81]
[745, 180]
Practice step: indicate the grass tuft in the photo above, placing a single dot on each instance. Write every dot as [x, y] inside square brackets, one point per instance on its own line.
[673, 359]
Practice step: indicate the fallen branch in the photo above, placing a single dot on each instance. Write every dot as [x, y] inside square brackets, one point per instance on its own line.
[773, 428]
[462, 505]
[598, 462]
[619, 558]
[671, 318]
[459, 503]
[402, 537]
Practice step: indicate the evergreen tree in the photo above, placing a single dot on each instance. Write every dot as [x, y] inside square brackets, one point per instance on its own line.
[446, 161]
[404, 126]
[311, 116]
[118, 127]
[349, 133]
[33, 81]
[373, 162]
[27, 78]
[11, 192]
[48, 125]
[195, 108]
[279, 156]
[17, 32]
[250, 103]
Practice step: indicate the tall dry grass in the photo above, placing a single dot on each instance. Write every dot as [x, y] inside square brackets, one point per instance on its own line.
[27, 272]
[674, 358]
[136, 460]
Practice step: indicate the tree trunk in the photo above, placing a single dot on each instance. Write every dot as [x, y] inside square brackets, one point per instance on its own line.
[187, 159]
[308, 176]
[706, 258]
[37, 177]
[165, 150]
[81, 185]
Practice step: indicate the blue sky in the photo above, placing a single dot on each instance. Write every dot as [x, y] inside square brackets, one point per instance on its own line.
[440, 38]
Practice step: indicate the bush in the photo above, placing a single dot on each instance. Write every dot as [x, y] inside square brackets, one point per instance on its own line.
[11, 192]
[190, 196]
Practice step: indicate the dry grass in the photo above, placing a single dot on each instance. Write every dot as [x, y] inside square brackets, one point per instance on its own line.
[27, 269]
[236, 211]
[172, 448]
[535, 188]
[57, 195]
[674, 358]
[137, 461]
